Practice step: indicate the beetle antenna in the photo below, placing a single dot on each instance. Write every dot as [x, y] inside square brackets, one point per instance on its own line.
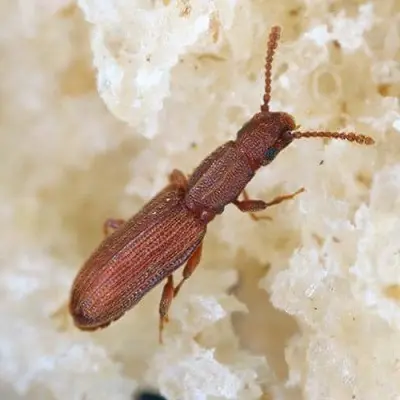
[274, 36]
[351, 136]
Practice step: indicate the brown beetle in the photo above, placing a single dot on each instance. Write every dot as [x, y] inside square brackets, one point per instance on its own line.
[169, 230]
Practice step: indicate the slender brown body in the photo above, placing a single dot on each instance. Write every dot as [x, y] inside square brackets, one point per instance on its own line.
[170, 229]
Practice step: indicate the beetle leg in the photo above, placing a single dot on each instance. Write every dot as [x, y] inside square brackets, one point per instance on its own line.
[252, 206]
[165, 303]
[111, 225]
[190, 266]
[169, 292]
[178, 178]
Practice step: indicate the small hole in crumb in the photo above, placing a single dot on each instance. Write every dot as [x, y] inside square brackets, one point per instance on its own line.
[364, 179]
[327, 84]
[294, 12]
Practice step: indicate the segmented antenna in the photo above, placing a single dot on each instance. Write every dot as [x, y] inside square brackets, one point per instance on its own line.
[274, 36]
[350, 136]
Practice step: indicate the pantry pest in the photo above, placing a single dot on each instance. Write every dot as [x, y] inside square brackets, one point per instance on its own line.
[167, 232]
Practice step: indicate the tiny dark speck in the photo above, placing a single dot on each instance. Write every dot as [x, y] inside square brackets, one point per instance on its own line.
[321, 162]
[148, 396]
[336, 44]
[294, 12]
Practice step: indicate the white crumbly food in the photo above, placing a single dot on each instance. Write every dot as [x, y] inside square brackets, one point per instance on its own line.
[101, 99]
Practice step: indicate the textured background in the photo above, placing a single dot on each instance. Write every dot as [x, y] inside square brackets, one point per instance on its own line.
[101, 99]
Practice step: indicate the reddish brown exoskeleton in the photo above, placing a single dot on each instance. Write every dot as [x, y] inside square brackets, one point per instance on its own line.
[170, 229]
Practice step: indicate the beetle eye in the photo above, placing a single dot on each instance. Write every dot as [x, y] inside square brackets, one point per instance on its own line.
[271, 153]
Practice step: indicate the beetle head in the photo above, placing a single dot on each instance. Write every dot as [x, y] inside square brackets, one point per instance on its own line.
[265, 135]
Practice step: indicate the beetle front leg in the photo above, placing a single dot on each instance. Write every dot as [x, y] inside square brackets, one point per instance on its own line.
[190, 266]
[252, 206]
[111, 225]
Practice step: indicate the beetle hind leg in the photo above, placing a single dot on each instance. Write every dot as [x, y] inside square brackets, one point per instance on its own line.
[169, 291]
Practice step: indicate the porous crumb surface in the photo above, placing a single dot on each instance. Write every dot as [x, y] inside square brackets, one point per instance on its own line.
[102, 99]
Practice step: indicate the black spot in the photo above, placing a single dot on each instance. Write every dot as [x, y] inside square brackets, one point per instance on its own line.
[147, 395]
